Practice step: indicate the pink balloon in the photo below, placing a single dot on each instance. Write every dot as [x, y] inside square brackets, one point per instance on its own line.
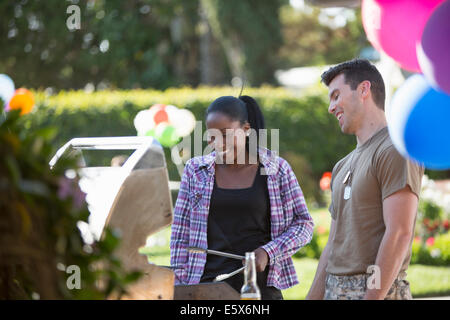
[396, 26]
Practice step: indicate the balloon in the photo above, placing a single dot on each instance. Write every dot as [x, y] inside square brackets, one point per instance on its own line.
[433, 50]
[396, 26]
[6, 88]
[418, 123]
[22, 100]
[143, 122]
[151, 132]
[172, 112]
[166, 134]
[160, 116]
[183, 120]
[158, 113]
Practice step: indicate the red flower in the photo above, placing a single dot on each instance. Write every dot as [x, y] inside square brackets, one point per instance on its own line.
[430, 241]
[326, 174]
[321, 230]
[445, 224]
[325, 182]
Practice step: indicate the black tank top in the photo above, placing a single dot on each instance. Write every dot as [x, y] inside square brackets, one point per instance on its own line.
[238, 222]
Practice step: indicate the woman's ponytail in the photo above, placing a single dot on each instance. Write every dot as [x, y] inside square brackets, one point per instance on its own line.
[256, 120]
[254, 114]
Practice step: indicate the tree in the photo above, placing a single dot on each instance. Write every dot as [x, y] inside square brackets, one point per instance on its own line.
[250, 34]
[307, 42]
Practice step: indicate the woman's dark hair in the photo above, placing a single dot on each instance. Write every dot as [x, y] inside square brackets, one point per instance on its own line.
[241, 109]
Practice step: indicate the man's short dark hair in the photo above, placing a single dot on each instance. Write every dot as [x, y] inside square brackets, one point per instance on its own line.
[356, 71]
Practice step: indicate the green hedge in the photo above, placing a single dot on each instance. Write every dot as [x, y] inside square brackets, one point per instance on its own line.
[310, 138]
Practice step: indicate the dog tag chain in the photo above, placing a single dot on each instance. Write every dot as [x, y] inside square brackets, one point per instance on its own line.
[348, 177]
[347, 181]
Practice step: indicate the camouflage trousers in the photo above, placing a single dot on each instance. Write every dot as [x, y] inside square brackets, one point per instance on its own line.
[354, 287]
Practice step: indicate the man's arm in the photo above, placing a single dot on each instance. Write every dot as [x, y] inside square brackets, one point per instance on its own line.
[399, 211]
[317, 290]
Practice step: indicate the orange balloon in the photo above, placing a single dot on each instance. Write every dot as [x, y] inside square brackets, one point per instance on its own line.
[22, 100]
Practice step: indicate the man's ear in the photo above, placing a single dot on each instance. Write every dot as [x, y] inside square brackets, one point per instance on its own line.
[364, 89]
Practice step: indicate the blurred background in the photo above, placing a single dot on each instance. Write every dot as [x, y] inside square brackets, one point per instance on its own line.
[91, 77]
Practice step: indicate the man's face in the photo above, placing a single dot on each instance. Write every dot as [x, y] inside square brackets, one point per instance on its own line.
[345, 105]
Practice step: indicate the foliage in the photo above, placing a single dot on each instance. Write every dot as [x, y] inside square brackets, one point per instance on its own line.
[39, 212]
[121, 43]
[434, 211]
[314, 249]
[133, 43]
[435, 251]
[431, 244]
[159, 43]
[250, 34]
[308, 42]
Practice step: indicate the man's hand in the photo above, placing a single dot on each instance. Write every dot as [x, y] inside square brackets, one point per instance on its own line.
[261, 259]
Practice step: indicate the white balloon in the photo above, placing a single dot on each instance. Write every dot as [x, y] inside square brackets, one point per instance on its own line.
[418, 123]
[397, 113]
[6, 88]
[171, 109]
[143, 121]
[172, 113]
[184, 122]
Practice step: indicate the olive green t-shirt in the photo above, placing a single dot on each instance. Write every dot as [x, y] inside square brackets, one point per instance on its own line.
[377, 171]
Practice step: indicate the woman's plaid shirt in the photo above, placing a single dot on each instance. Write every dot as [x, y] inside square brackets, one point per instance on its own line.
[291, 223]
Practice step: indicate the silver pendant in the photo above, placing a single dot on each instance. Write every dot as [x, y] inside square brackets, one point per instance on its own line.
[347, 192]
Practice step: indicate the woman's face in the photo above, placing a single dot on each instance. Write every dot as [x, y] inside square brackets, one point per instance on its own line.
[227, 136]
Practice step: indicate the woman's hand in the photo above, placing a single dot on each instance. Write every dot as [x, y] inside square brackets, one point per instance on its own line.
[261, 259]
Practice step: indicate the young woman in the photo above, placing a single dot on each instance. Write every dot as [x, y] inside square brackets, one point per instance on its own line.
[239, 199]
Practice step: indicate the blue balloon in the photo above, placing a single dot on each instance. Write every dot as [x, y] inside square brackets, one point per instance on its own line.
[419, 123]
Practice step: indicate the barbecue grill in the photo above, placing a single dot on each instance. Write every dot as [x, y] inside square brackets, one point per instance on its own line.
[138, 204]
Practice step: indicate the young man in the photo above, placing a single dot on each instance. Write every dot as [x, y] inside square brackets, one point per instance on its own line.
[375, 195]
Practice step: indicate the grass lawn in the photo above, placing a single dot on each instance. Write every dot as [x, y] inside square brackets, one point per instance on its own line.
[425, 281]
